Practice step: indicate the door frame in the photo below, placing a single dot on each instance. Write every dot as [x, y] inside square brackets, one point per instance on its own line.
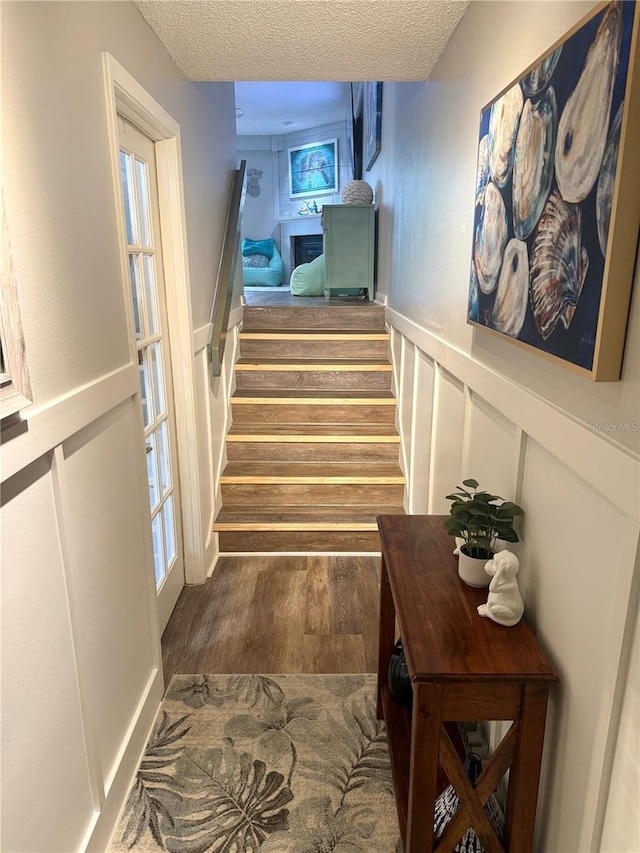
[126, 96]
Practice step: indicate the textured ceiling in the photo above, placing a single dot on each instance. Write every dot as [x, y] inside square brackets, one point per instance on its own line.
[304, 39]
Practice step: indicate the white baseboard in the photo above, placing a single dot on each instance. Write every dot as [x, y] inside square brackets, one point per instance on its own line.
[106, 820]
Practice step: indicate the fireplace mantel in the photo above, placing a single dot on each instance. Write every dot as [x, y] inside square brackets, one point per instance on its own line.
[299, 218]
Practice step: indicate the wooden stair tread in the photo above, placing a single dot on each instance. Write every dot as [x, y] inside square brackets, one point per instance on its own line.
[281, 526]
[310, 398]
[242, 471]
[297, 335]
[314, 432]
[317, 304]
[315, 364]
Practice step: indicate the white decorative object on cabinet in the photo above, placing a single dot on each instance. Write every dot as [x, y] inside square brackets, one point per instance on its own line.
[504, 603]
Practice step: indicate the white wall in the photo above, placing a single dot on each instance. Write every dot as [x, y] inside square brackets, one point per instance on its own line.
[474, 406]
[258, 220]
[81, 668]
[214, 418]
[44, 760]
[622, 827]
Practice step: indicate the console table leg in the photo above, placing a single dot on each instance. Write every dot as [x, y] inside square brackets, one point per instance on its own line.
[386, 635]
[423, 773]
[524, 776]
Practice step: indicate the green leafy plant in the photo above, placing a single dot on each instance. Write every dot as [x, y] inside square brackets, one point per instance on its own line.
[480, 518]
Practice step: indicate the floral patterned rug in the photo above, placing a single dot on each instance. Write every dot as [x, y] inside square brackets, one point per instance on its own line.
[275, 764]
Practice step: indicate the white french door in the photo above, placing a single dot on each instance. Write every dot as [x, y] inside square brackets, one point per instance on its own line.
[139, 186]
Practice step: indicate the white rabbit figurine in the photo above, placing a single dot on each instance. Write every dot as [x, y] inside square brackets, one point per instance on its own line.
[504, 602]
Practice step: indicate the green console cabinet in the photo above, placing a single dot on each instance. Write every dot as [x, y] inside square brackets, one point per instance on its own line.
[349, 249]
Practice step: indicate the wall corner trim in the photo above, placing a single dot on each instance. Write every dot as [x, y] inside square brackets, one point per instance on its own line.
[236, 315]
[201, 338]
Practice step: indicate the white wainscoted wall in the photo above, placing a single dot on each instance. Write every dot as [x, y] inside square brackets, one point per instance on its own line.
[214, 419]
[471, 405]
[578, 558]
[81, 663]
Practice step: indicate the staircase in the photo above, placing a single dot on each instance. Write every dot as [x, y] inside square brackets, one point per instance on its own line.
[313, 450]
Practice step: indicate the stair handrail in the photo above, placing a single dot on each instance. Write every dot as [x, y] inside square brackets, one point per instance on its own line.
[227, 270]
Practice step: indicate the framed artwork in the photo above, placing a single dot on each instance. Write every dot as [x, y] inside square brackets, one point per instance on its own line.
[357, 131]
[557, 200]
[313, 169]
[372, 122]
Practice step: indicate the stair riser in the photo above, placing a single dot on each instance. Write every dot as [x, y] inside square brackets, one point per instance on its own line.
[304, 414]
[310, 380]
[310, 494]
[282, 451]
[299, 541]
[297, 517]
[265, 349]
[361, 317]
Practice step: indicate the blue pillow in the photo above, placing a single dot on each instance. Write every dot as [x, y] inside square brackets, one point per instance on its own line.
[258, 247]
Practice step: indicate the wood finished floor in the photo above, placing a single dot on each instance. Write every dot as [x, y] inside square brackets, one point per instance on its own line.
[277, 614]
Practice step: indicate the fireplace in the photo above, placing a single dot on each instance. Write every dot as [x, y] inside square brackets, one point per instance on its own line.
[304, 248]
[294, 228]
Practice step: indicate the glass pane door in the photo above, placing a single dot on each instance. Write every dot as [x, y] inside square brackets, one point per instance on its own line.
[144, 263]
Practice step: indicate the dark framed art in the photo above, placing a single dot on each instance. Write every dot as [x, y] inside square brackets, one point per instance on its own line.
[372, 123]
[313, 169]
[557, 202]
[357, 131]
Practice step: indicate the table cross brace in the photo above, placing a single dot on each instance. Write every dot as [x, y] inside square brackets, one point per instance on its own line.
[470, 810]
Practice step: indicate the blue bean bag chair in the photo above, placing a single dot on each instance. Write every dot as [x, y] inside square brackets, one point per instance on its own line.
[261, 264]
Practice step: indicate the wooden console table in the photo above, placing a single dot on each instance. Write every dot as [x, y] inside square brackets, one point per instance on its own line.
[463, 667]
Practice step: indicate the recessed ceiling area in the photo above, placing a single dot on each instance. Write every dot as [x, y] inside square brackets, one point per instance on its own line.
[276, 108]
[304, 39]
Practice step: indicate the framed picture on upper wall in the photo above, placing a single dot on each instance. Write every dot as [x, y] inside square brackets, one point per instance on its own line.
[372, 123]
[313, 169]
[557, 201]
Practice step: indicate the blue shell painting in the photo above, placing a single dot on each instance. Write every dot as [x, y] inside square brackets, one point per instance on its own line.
[313, 169]
[547, 176]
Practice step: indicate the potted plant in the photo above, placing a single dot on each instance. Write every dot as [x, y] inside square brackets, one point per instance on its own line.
[479, 518]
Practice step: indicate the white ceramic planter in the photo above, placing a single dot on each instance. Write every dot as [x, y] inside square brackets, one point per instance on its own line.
[471, 570]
